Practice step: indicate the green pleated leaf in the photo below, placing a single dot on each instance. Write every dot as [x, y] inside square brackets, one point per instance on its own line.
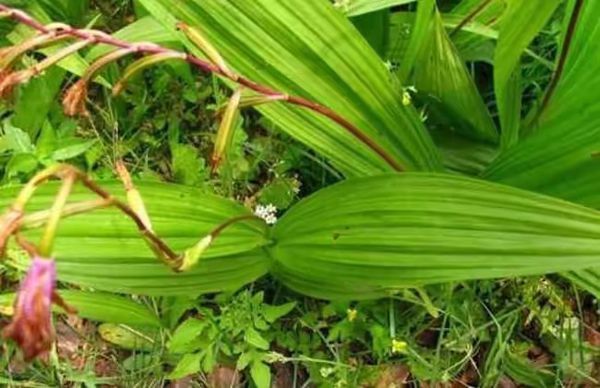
[558, 157]
[311, 50]
[103, 249]
[98, 306]
[521, 24]
[369, 237]
[441, 77]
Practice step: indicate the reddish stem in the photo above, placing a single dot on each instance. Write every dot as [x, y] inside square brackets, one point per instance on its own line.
[563, 56]
[150, 48]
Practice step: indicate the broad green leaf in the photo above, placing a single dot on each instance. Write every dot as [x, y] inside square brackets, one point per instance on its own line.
[103, 249]
[98, 306]
[360, 7]
[371, 237]
[442, 79]
[311, 50]
[520, 25]
[36, 99]
[558, 158]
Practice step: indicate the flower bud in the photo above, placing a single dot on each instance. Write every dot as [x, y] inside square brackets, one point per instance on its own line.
[192, 255]
[74, 99]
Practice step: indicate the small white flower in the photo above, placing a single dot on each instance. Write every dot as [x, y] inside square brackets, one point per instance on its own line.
[267, 212]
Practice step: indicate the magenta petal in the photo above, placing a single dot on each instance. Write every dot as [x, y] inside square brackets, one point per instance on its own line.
[31, 326]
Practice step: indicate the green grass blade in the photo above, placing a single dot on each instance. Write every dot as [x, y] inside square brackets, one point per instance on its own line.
[369, 237]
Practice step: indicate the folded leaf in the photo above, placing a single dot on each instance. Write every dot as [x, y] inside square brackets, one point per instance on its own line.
[369, 237]
[103, 249]
[432, 63]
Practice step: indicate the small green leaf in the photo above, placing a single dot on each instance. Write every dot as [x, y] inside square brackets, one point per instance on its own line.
[254, 338]
[126, 337]
[184, 336]
[261, 374]
[244, 360]
[187, 166]
[189, 364]
[273, 313]
[13, 139]
[105, 307]
[72, 150]
[23, 163]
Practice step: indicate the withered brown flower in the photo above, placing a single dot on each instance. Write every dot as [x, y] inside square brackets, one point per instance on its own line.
[74, 99]
[31, 326]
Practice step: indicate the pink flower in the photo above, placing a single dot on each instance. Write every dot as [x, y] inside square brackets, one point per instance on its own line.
[31, 326]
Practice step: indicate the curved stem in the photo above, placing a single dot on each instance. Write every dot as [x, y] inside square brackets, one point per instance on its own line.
[247, 217]
[563, 56]
[47, 242]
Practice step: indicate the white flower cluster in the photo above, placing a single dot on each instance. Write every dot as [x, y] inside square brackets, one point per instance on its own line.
[267, 213]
